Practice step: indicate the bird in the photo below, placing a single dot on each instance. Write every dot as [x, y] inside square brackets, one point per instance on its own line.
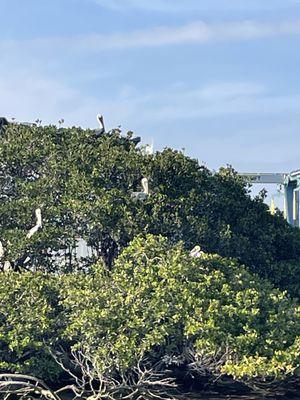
[196, 252]
[100, 131]
[141, 196]
[148, 150]
[38, 225]
[7, 266]
[1, 250]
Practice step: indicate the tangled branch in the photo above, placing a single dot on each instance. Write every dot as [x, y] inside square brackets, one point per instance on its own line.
[24, 386]
[142, 381]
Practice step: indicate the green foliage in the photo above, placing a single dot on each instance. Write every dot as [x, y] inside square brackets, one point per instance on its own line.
[81, 182]
[84, 185]
[158, 301]
[122, 303]
[29, 323]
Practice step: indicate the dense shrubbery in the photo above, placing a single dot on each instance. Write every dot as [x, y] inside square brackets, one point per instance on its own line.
[124, 315]
[209, 316]
[158, 295]
[83, 184]
[29, 313]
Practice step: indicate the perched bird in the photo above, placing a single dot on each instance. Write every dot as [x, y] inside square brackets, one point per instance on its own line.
[196, 252]
[100, 131]
[141, 196]
[1, 250]
[148, 149]
[38, 225]
[7, 266]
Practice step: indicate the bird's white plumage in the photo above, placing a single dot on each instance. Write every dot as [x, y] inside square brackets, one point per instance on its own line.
[144, 194]
[148, 150]
[100, 120]
[38, 225]
[196, 252]
[1, 250]
[145, 185]
[7, 266]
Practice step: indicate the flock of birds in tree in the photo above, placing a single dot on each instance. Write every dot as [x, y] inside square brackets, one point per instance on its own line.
[138, 196]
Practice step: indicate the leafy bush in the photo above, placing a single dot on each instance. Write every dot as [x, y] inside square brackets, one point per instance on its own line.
[207, 316]
[29, 322]
[207, 312]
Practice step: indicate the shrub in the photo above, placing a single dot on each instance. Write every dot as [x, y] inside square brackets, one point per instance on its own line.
[206, 314]
[29, 323]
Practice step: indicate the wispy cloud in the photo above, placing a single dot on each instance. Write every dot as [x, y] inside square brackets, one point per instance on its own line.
[197, 32]
[210, 101]
[27, 95]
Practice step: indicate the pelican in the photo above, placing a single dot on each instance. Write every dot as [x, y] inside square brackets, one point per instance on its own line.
[38, 225]
[1, 250]
[100, 120]
[148, 149]
[7, 266]
[144, 194]
[196, 252]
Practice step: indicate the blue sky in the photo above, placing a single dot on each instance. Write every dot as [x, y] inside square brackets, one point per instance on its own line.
[219, 78]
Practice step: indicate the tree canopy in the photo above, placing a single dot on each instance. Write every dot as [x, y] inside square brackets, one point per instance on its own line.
[83, 184]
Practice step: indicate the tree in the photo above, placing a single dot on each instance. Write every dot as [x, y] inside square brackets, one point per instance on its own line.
[83, 183]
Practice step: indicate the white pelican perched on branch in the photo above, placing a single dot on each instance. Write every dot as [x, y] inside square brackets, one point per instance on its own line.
[38, 225]
[144, 194]
[100, 131]
[1, 250]
[6, 265]
[196, 252]
[148, 150]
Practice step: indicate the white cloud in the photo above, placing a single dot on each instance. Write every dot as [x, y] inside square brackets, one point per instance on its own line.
[27, 96]
[210, 101]
[197, 33]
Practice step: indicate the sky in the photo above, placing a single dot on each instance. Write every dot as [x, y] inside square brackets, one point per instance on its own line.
[219, 79]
